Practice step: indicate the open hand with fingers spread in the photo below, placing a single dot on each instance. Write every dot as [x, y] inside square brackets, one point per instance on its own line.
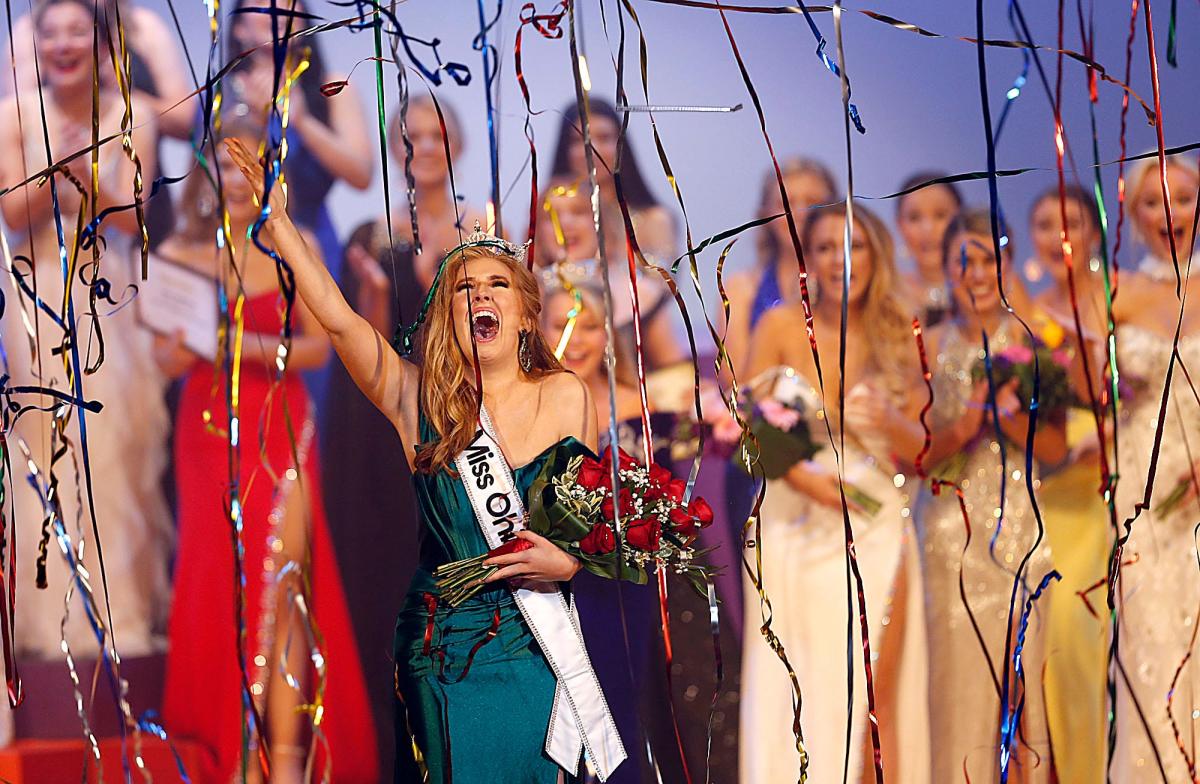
[251, 167]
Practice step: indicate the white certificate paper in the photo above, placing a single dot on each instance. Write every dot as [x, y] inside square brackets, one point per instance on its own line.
[178, 299]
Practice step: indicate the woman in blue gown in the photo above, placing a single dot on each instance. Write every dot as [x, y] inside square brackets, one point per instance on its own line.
[486, 695]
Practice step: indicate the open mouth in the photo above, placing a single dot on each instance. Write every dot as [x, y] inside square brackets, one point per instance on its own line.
[66, 63]
[574, 357]
[485, 325]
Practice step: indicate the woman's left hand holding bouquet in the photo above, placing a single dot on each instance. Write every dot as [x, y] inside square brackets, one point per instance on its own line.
[542, 560]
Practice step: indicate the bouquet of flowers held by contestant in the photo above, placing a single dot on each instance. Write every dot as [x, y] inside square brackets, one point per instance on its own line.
[571, 503]
[1055, 395]
[780, 419]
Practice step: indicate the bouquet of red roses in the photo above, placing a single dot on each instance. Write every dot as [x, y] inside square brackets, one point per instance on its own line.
[571, 503]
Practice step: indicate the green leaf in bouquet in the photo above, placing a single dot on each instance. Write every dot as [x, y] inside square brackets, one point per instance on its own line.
[952, 468]
[779, 450]
[549, 515]
[612, 567]
[869, 504]
[1168, 504]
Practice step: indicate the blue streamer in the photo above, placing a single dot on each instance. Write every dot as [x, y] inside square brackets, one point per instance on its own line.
[147, 723]
[832, 65]
[1011, 721]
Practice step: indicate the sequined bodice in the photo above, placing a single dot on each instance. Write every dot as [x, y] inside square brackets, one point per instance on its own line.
[1004, 529]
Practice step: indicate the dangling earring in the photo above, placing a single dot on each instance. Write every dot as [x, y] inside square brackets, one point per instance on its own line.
[524, 354]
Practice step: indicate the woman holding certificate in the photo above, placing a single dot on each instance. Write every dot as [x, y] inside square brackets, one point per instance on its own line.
[498, 688]
[292, 605]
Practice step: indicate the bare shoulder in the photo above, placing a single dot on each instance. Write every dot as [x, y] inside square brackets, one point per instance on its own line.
[192, 255]
[564, 387]
[739, 286]
[935, 336]
[769, 329]
[565, 397]
[780, 322]
[629, 402]
[1138, 294]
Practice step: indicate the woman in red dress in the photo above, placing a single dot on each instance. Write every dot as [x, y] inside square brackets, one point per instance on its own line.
[303, 695]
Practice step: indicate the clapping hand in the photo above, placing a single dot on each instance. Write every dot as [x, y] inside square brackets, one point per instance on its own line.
[867, 410]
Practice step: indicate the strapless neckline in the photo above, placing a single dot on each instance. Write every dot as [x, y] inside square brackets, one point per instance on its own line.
[538, 457]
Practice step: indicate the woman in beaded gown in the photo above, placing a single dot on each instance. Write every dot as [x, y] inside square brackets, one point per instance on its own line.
[964, 674]
[1158, 687]
[477, 685]
[803, 546]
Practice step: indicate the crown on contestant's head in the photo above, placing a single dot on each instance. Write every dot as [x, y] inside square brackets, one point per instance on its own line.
[481, 239]
[403, 340]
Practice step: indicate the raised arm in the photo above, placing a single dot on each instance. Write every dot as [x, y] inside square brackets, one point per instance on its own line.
[387, 380]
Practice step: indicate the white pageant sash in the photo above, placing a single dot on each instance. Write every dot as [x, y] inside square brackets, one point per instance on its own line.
[580, 719]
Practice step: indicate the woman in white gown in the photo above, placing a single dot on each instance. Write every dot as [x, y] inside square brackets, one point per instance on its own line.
[126, 439]
[803, 540]
[1158, 686]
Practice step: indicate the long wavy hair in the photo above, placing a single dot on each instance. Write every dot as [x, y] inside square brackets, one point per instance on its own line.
[892, 348]
[633, 183]
[449, 398]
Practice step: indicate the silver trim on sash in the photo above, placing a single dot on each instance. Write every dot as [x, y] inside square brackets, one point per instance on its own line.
[579, 719]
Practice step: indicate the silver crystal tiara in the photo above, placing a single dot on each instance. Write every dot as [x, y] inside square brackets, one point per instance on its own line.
[480, 238]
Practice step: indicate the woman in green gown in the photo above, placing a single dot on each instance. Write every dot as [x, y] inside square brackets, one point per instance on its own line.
[498, 689]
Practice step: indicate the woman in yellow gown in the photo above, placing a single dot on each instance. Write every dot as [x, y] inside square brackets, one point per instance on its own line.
[1073, 509]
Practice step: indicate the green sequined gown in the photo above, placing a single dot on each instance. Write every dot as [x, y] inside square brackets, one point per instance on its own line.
[486, 722]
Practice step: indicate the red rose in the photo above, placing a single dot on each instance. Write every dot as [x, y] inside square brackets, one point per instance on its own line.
[653, 492]
[643, 534]
[676, 488]
[625, 462]
[606, 506]
[591, 474]
[700, 510]
[599, 541]
[660, 475]
[684, 523]
[510, 547]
